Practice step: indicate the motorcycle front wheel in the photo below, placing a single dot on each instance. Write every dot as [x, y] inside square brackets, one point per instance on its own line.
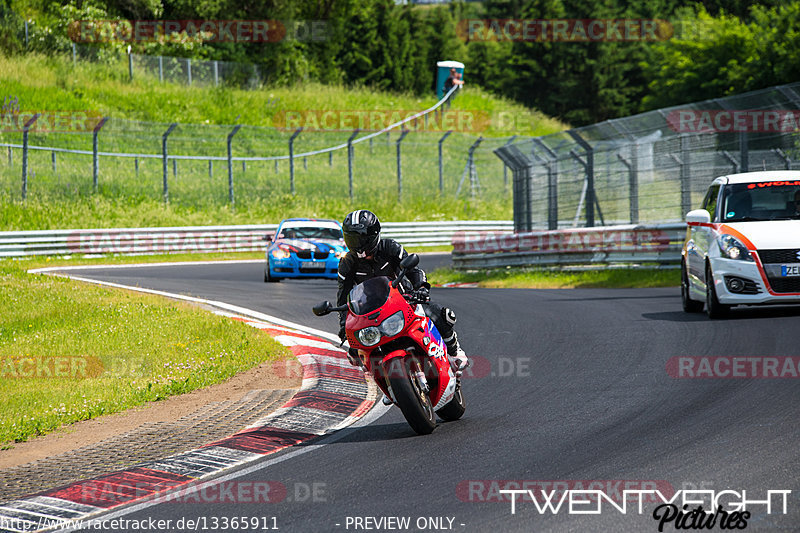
[454, 408]
[409, 396]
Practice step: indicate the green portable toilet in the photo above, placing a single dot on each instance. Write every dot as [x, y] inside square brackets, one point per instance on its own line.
[443, 72]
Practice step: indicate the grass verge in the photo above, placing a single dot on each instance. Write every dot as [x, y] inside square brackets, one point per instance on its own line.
[71, 352]
[609, 278]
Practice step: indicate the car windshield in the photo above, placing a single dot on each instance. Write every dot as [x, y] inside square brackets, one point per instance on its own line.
[768, 200]
[311, 232]
[368, 296]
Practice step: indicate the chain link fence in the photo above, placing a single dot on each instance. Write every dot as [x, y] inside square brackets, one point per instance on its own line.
[653, 167]
[170, 69]
[200, 165]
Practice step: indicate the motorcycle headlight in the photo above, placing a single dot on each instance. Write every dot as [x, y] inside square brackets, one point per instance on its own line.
[393, 325]
[732, 248]
[369, 336]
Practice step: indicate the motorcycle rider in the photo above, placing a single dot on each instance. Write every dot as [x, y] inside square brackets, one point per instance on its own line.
[370, 256]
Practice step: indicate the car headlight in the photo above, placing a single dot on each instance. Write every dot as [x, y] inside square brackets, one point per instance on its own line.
[732, 248]
[369, 336]
[393, 325]
[280, 253]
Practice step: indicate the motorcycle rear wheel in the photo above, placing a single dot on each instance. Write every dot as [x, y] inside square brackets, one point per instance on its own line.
[410, 398]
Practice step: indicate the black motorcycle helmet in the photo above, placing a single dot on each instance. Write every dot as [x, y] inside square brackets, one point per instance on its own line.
[362, 232]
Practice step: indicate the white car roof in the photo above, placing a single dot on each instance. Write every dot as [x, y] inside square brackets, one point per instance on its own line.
[767, 175]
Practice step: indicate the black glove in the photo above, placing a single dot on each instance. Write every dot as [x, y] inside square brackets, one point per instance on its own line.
[353, 357]
[423, 295]
[342, 334]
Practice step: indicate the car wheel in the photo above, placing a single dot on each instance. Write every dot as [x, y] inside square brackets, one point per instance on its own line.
[689, 305]
[714, 309]
[267, 277]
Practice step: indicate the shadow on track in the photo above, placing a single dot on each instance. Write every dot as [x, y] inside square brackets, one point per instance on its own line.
[744, 313]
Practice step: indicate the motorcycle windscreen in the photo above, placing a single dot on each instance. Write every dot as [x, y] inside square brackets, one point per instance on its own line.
[369, 296]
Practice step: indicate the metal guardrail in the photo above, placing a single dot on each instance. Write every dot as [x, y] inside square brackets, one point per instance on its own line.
[199, 239]
[623, 244]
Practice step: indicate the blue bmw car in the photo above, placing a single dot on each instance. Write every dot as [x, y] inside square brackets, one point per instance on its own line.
[304, 248]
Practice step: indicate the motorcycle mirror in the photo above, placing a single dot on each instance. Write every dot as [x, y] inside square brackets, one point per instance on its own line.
[409, 262]
[322, 308]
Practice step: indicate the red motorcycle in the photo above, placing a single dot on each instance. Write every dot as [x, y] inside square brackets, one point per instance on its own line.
[400, 347]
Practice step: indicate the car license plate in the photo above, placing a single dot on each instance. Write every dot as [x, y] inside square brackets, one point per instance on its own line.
[790, 270]
[308, 265]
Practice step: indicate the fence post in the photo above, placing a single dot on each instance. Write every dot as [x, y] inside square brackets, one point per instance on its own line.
[633, 184]
[230, 163]
[291, 158]
[470, 168]
[74, 56]
[210, 168]
[399, 168]
[686, 192]
[95, 158]
[330, 158]
[244, 166]
[216, 73]
[189, 70]
[591, 200]
[732, 160]
[161, 69]
[10, 161]
[174, 168]
[130, 64]
[350, 161]
[441, 163]
[552, 185]
[505, 167]
[276, 166]
[305, 163]
[164, 165]
[25, 129]
[744, 155]
[53, 157]
[787, 162]
[136, 165]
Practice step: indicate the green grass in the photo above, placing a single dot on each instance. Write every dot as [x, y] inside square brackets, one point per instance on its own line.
[64, 197]
[562, 279]
[126, 349]
[52, 83]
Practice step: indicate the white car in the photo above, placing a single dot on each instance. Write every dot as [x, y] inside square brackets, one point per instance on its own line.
[743, 246]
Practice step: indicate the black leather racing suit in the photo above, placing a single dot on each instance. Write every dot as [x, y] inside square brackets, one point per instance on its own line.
[386, 262]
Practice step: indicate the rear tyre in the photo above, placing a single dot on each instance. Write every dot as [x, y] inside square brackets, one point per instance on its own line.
[454, 408]
[409, 397]
[689, 305]
[714, 309]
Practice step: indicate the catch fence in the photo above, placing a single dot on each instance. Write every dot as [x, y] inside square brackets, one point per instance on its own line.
[201, 165]
[650, 168]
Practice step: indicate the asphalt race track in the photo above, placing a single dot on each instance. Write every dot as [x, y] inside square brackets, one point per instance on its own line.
[569, 385]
